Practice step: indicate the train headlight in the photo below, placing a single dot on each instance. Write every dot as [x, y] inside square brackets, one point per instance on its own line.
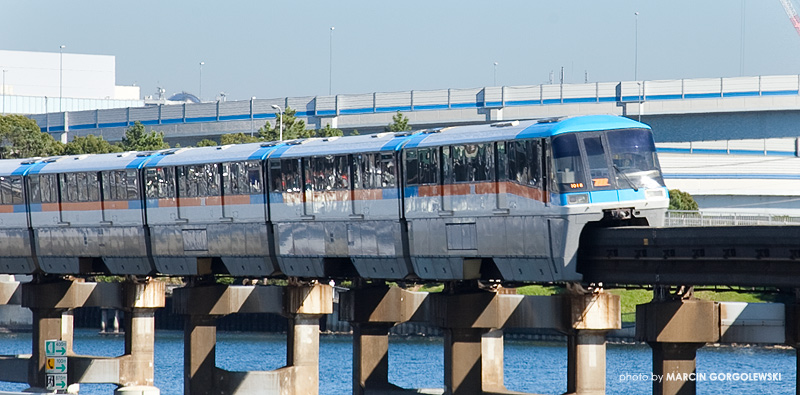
[655, 193]
[578, 198]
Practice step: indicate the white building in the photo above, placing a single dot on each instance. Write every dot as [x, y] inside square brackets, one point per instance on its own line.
[38, 82]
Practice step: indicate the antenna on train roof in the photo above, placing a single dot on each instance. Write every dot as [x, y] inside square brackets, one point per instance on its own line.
[505, 124]
[549, 120]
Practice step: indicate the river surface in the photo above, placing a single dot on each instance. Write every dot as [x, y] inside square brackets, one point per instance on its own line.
[417, 362]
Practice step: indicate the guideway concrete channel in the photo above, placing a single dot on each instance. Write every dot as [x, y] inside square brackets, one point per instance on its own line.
[719, 255]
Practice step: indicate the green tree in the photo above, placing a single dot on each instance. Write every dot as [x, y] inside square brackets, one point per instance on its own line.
[399, 123]
[90, 144]
[20, 137]
[328, 131]
[137, 139]
[679, 200]
[206, 143]
[237, 138]
[354, 132]
[293, 128]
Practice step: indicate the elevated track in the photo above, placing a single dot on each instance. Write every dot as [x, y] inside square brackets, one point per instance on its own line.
[712, 255]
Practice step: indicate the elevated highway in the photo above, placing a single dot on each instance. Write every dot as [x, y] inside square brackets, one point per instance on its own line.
[678, 110]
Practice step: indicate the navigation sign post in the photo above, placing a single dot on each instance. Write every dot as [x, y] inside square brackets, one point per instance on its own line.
[55, 365]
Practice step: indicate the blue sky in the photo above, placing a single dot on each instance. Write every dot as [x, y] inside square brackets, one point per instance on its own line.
[273, 49]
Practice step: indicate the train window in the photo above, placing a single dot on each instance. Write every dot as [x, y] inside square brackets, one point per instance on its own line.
[92, 187]
[568, 164]
[357, 166]
[523, 159]
[69, 187]
[160, 182]
[132, 184]
[16, 189]
[388, 171]
[428, 165]
[633, 154]
[253, 169]
[48, 184]
[285, 175]
[83, 190]
[5, 190]
[598, 166]
[34, 189]
[327, 173]
[412, 168]
[473, 162]
[232, 179]
[211, 174]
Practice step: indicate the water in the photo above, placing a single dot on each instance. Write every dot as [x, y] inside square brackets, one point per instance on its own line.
[417, 362]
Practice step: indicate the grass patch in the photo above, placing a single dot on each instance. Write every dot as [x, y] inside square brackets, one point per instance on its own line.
[539, 290]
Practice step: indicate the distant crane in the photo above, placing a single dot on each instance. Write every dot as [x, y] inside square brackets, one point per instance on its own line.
[793, 17]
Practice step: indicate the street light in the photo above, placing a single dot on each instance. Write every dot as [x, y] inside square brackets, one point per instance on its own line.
[277, 107]
[636, 50]
[495, 73]
[4, 91]
[60, 75]
[201, 82]
[330, 64]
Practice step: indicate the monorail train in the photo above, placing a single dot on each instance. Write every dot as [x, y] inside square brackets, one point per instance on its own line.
[504, 201]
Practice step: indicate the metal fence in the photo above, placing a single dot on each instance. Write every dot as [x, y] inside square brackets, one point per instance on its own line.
[379, 102]
[697, 218]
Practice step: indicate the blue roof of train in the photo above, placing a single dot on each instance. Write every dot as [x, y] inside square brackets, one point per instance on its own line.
[507, 130]
[215, 154]
[96, 162]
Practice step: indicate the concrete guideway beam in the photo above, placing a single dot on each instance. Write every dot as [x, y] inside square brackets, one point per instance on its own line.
[203, 305]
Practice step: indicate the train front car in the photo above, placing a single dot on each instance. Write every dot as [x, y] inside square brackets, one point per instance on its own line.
[605, 170]
[508, 201]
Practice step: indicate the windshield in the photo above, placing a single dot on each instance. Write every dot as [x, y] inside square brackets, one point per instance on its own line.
[633, 154]
[569, 167]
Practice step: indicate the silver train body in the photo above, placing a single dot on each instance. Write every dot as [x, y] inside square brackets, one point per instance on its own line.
[505, 201]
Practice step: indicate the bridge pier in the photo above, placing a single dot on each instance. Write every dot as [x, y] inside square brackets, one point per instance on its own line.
[472, 321]
[675, 330]
[203, 304]
[52, 304]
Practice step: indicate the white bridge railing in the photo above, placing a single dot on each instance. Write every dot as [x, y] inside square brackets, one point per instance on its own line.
[697, 218]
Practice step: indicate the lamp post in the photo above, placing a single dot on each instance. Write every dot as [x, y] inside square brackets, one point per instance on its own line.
[252, 121]
[60, 75]
[4, 91]
[201, 82]
[495, 73]
[636, 50]
[277, 107]
[330, 63]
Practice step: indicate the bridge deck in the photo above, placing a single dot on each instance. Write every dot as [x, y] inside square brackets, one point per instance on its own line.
[719, 255]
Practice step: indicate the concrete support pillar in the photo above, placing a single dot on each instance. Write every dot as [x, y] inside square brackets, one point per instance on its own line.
[592, 315]
[586, 362]
[675, 362]
[199, 348]
[46, 326]
[302, 352]
[371, 357]
[462, 361]
[68, 328]
[492, 361]
[140, 329]
[675, 329]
